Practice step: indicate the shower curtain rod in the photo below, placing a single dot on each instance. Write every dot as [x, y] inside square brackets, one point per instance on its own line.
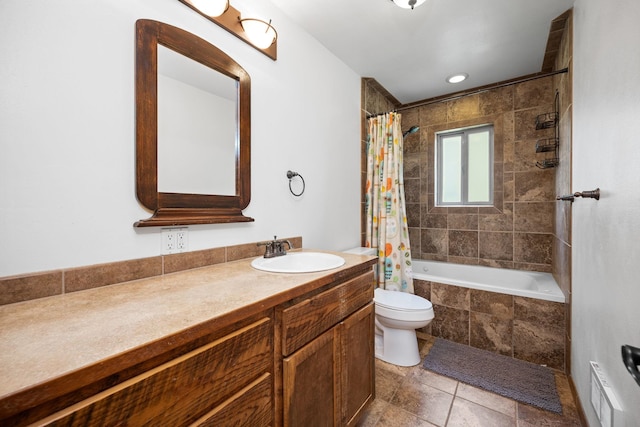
[481, 89]
[472, 92]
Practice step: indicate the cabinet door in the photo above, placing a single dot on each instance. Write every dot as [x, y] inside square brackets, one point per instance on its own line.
[311, 382]
[357, 363]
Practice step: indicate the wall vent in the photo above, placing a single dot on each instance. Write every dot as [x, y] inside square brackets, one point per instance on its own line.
[603, 400]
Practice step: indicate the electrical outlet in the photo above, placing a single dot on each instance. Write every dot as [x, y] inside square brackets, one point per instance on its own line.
[182, 240]
[174, 240]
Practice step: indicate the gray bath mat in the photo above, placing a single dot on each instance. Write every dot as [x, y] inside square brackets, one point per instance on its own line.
[516, 379]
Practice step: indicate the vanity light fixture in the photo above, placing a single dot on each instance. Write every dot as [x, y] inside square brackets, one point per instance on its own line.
[457, 78]
[408, 4]
[261, 33]
[255, 32]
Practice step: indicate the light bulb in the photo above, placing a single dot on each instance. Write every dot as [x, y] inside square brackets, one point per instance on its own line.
[211, 7]
[261, 33]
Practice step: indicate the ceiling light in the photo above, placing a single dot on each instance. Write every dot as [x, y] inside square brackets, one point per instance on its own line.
[261, 33]
[408, 4]
[211, 7]
[457, 78]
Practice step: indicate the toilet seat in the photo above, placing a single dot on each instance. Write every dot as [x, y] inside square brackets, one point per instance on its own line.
[400, 301]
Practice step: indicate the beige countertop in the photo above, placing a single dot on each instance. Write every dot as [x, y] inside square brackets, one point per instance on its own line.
[50, 337]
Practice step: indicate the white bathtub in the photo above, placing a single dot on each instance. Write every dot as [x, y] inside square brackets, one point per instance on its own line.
[513, 282]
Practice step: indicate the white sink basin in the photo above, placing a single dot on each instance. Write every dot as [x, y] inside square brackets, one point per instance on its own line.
[298, 262]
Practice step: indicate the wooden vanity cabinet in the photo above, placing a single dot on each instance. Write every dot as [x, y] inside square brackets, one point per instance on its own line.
[303, 358]
[328, 360]
[227, 382]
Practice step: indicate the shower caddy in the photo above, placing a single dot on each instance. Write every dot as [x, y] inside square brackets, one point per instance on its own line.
[549, 145]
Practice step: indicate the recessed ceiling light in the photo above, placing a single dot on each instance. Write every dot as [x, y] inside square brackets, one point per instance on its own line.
[457, 78]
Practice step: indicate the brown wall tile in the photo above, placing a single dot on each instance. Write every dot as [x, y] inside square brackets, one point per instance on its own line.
[537, 344]
[451, 324]
[411, 165]
[413, 218]
[422, 288]
[463, 108]
[95, 276]
[497, 222]
[532, 248]
[496, 304]
[433, 114]
[495, 245]
[450, 296]
[534, 186]
[533, 217]
[491, 333]
[463, 243]
[188, 260]
[533, 92]
[434, 241]
[496, 101]
[544, 313]
[412, 190]
[24, 288]
[462, 222]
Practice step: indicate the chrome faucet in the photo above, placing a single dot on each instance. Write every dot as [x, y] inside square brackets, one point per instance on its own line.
[275, 247]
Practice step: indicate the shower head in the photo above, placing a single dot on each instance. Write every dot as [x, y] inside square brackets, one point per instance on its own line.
[412, 129]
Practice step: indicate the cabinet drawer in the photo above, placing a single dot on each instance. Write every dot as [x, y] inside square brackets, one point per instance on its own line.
[182, 390]
[306, 320]
[249, 407]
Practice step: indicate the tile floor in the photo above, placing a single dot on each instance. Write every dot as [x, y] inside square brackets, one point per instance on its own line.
[415, 397]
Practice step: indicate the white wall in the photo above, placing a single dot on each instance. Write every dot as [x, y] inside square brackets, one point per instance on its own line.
[606, 233]
[67, 134]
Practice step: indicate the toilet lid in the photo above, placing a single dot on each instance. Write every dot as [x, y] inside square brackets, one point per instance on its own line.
[400, 300]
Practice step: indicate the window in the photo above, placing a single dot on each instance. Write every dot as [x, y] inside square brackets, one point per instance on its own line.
[464, 167]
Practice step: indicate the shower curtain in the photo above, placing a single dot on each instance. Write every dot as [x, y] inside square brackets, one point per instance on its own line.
[386, 213]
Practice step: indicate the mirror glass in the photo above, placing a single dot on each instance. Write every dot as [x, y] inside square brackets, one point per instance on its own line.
[197, 127]
[193, 129]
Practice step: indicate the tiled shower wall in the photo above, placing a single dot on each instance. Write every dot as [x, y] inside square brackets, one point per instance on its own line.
[518, 231]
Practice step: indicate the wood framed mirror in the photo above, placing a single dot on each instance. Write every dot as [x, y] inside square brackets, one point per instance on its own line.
[170, 206]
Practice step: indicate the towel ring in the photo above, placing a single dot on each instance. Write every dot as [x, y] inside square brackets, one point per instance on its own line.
[291, 175]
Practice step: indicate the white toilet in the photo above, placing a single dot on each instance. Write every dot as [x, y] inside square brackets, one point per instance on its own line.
[398, 315]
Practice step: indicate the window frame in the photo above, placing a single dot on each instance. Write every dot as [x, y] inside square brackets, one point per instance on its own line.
[464, 132]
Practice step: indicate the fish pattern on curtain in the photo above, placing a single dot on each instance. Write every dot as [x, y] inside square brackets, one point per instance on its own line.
[386, 212]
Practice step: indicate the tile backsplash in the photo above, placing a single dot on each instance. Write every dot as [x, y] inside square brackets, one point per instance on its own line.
[43, 284]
